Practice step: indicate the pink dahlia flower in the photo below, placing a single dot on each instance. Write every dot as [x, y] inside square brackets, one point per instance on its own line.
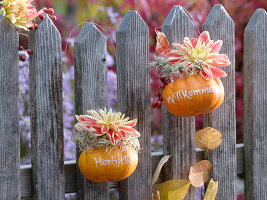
[21, 13]
[114, 125]
[201, 53]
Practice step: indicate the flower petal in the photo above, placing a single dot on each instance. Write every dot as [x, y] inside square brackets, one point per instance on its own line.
[82, 118]
[193, 41]
[204, 37]
[216, 46]
[178, 46]
[162, 43]
[81, 127]
[111, 137]
[190, 42]
[104, 129]
[217, 73]
[98, 133]
[130, 131]
[206, 73]
[221, 60]
[131, 123]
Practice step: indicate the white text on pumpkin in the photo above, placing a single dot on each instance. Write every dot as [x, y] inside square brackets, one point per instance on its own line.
[188, 94]
[123, 160]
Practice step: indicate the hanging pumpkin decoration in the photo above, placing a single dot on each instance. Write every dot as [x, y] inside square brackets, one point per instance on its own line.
[189, 73]
[109, 145]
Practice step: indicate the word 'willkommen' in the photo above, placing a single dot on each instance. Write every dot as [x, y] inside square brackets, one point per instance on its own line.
[188, 94]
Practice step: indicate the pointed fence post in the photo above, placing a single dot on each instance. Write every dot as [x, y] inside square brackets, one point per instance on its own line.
[255, 118]
[46, 112]
[9, 112]
[178, 131]
[221, 27]
[90, 93]
[134, 98]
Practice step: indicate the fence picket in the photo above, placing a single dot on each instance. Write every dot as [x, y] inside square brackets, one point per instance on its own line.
[221, 27]
[255, 120]
[134, 97]
[90, 93]
[46, 112]
[9, 112]
[178, 131]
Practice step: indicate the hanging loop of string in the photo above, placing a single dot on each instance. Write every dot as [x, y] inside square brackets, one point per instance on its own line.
[192, 20]
[66, 48]
[97, 25]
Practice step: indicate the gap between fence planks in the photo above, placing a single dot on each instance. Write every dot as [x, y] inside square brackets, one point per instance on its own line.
[46, 112]
[178, 131]
[255, 119]
[134, 98]
[90, 93]
[9, 112]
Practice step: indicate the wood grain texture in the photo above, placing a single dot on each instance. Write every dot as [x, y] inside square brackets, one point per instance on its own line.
[46, 112]
[255, 119]
[178, 131]
[90, 93]
[70, 172]
[221, 27]
[9, 112]
[134, 98]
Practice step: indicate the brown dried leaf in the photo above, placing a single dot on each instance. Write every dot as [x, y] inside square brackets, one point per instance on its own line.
[156, 195]
[200, 173]
[211, 190]
[208, 138]
[175, 189]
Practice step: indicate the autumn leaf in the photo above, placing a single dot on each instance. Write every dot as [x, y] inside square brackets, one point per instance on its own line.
[200, 173]
[175, 189]
[159, 167]
[156, 195]
[208, 138]
[211, 190]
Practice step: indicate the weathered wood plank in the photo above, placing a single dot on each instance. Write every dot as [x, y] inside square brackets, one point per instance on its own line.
[255, 118]
[221, 27]
[46, 112]
[9, 112]
[134, 97]
[90, 92]
[26, 178]
[178, 131]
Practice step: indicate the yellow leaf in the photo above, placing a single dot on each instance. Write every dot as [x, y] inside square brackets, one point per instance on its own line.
[208, 138]
[162, 161]
[200, 173]
[211, 190]
[175, 189]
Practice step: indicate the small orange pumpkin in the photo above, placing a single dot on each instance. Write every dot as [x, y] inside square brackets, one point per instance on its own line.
[102, 164]
[193, 96]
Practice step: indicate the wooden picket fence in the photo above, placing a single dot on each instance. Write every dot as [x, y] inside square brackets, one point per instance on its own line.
[49, 178]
